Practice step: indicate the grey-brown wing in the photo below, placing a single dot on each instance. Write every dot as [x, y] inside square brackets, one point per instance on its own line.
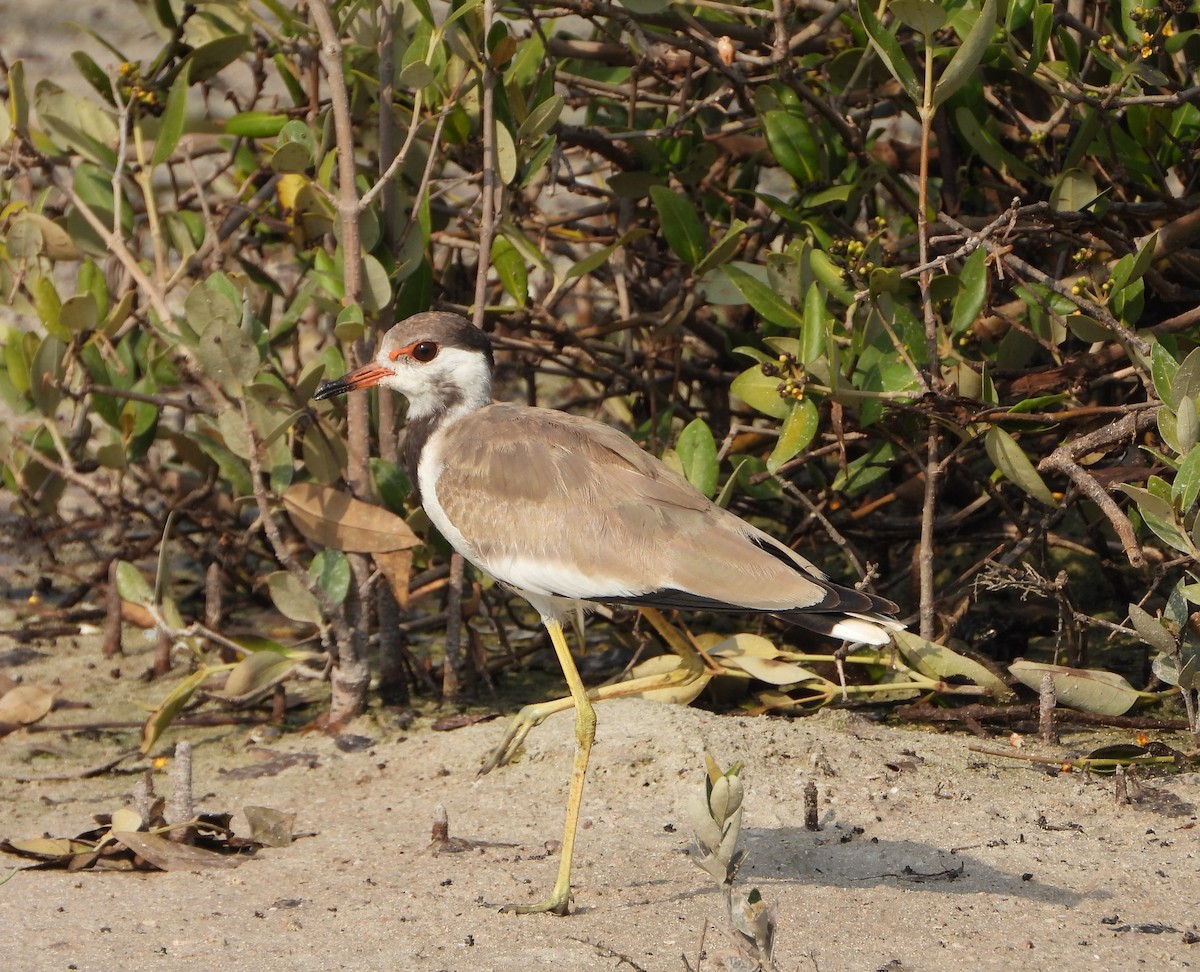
[558, 504]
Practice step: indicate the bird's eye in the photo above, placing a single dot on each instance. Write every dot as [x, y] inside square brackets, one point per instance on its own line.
[425, 351]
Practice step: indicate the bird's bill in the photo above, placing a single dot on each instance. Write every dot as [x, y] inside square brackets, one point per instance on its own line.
[364, 377]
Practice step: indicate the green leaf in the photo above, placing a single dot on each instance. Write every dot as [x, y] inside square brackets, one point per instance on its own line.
[260, 670]
[1074, 190]
[331, 570]
[132, 585]
[792, 142]
[506, 154]
[816, 331]
[255, 124]
[889, 51]
[831, 276]
[989, 148]
[207, 306]
[697, 451]
[973, 295]
[79, 313]
[1159, 516]
[724, 249]
[350, 324]
[938, 661]
[94, 75]
[1187, 425]
[749, 468]
[293, 157]
[1088, 329]
[171, 706]
[1011, 460]
[761, 392]
[1037, 404]
[207, 60]
[48, 305]
[80, 125]
[292, 598]
[591, 262]
[170, 127]
[46, 374]
[1163, 367]
[923, 16]
[416, 75]
[377, 288]
[18, 99]
[765, 299]
[1167, 427]
[1043, 23]
[228, 355]
[1088, 689]
[391, 482]
[462, 10]
[25, 240]
[541, 119]
[799, 429]
[1186, 486]
[966, 59]
[1186, 383]
[681, 227]
[510, 268]
[1143, 259]
[1151, 630]
[1167, 669]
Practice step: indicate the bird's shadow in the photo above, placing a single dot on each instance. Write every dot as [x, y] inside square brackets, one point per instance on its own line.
[836, 859]
[841, 859]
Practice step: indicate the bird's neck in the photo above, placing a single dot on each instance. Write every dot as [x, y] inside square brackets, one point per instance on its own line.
[423, 422]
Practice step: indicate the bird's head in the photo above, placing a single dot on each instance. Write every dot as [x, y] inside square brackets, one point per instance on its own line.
[437, 361]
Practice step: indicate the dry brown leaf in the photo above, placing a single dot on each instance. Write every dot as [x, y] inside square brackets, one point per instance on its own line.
[26, 704]
[269, 827]
[396, 566]
[339, 521]
[169, 856]
[137, 615]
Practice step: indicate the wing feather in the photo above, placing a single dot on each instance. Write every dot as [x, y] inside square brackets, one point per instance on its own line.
[562, 505]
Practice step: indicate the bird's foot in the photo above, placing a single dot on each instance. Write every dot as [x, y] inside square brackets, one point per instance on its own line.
[514, 736]
[559, 903]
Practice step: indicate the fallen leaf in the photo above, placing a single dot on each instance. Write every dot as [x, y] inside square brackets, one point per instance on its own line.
[271, 828]
[166, 855]
[26, 704]
[46, 848]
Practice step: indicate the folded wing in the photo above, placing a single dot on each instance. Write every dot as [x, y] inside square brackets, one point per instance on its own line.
[560, 505]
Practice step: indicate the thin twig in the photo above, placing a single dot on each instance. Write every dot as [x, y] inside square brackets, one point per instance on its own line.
[1065, 458]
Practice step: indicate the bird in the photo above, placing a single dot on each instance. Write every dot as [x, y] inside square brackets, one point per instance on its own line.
[567, 511]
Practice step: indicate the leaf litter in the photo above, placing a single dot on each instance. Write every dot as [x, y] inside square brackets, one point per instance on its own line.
[156, 834]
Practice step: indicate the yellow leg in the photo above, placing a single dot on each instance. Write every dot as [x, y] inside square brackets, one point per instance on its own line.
[559, 902]
[691, 668]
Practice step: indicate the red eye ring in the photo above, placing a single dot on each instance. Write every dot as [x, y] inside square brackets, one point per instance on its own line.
[424, 351]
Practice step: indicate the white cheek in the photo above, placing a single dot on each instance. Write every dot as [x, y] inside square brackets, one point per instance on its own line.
[426, 384]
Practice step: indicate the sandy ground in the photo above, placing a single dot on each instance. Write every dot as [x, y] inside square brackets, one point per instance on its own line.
[1051, 871]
